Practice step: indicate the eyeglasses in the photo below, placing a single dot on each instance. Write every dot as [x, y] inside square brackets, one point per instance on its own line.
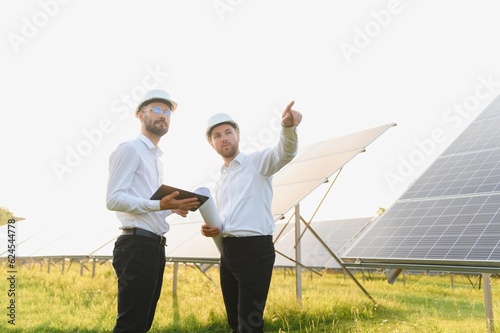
[158, 110]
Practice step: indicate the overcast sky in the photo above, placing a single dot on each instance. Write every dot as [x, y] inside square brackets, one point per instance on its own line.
[72, 72]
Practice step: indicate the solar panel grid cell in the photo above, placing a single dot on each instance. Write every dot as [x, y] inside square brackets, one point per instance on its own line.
[460, 174]
[480, 135]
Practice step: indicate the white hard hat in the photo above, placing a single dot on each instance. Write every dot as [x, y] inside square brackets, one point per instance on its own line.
[219, 119]
[156, 95]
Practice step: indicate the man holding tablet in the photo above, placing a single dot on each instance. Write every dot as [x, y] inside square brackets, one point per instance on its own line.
[135, 173]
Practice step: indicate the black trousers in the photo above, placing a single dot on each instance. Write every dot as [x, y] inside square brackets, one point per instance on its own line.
[139, 263]
[245, 275]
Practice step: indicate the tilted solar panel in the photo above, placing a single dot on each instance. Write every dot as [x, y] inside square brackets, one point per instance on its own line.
[450, 217]
[315, 163]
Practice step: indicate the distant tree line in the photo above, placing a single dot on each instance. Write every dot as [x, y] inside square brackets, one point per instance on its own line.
[6, 214]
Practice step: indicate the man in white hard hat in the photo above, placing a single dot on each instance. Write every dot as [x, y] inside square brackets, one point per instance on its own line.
[243, 196]
[135, 173]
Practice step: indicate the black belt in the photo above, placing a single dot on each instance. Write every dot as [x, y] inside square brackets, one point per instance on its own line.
[142, 232]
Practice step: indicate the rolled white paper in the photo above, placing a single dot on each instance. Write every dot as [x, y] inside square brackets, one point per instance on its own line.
[210, 214]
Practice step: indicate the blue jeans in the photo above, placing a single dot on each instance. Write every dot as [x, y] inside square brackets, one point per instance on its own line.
[139, 263]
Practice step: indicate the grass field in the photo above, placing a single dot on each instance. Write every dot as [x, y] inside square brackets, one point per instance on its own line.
[71, 302]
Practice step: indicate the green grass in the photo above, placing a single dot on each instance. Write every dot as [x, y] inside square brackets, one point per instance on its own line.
[70, 302]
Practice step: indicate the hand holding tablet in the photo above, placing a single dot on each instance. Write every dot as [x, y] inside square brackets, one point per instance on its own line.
[165, 190]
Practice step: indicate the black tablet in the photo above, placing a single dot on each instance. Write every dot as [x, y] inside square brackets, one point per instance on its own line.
[164, 190]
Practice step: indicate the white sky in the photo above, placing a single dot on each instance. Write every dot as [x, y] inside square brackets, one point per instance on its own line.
[69, 68]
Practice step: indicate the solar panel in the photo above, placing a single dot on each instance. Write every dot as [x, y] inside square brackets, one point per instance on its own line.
[89, 241]
[315, 163]
[184, 240]
[450, 217]
[336, 234]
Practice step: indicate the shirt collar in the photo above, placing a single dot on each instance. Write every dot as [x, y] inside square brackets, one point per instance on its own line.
[149, 144]
[238, 159]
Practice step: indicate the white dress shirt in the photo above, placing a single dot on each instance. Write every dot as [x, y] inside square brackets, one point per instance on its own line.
[244, 191]
[135, 173]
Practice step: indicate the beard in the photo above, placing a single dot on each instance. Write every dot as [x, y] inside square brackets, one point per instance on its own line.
[158, 130]
[228, 151]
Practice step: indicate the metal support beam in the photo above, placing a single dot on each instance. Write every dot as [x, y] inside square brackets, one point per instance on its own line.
[298, 255]
[174, 283]
[334, 256]
[488, 303]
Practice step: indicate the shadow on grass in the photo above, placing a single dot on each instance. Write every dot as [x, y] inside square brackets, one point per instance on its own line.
[341, 319]
[338, 318]
[175, 308]
[44, 329]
